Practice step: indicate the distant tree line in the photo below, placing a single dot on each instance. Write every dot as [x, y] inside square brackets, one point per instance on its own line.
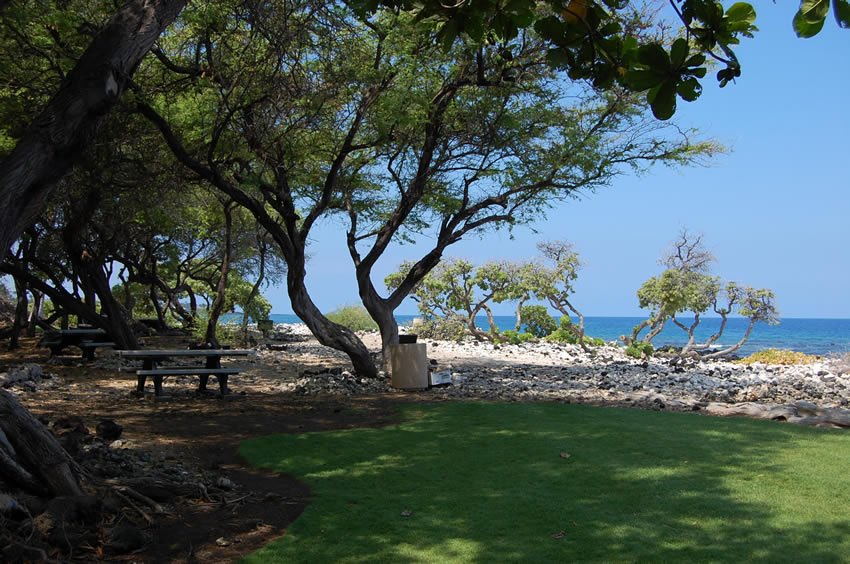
[455, 293]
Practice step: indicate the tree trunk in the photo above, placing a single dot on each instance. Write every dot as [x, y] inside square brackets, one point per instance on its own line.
[518, 324]
[35, 314]
[387, 325]
[255, 289]
[21, 310]
[724, 316]
[113, 318]
[59, 134]
[221, 287]
[689, 330]
[328, 333]
[36, 449]
[737, 345]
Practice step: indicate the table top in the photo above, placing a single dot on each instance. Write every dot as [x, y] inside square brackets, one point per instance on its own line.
[165, 353]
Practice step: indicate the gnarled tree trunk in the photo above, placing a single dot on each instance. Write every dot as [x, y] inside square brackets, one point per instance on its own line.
[328, 333]
[31, 455]
[58, 135]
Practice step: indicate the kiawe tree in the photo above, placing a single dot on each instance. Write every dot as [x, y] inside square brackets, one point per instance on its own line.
[369, 120]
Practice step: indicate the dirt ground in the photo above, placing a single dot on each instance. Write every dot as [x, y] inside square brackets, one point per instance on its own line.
[203, 432]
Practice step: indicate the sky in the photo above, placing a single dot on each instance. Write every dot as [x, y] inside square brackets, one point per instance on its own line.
[774, 210]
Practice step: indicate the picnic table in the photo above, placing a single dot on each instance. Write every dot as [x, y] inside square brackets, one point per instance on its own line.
[87, 339]
[151, 360]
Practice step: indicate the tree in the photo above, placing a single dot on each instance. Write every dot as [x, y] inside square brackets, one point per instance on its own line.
[57, 136]
[755, 304]
[555, 283]
[471, 139]
[588, 42]
[686, 286]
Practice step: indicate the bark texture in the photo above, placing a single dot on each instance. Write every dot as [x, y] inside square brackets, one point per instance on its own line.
[68, 123]
[36, 452]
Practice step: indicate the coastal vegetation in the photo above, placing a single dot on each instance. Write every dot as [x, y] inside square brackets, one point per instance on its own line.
[353, 317]
[779, 356]
[456, 292]
[687, 287]
[552, 482]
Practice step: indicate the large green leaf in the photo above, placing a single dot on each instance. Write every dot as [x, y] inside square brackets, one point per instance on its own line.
[741, 12]
[810, 17]
[678, 53]
[841, 8]
[690, 89]
[640, 80]
[662, 100]
[654, 56]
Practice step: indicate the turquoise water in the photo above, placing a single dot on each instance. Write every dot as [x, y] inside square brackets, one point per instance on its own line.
[811, 336]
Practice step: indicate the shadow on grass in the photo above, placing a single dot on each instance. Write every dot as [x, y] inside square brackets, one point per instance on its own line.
[550, 482]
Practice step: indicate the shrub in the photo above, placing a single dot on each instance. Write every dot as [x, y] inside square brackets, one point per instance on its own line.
[440, 328]
[566, 334]
[354, 317]
[515, 338]
[537, 320]
[640, 350]
[779, 356]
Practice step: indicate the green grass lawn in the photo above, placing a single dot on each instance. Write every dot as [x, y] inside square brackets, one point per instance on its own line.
[481, 482]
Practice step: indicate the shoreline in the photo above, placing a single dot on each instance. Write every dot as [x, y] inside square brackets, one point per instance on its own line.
[813, 394]
[823, 337]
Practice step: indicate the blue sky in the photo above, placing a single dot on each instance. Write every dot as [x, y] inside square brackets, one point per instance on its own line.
[774, 210]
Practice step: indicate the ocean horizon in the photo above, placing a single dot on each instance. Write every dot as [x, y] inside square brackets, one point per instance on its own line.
[811, 336]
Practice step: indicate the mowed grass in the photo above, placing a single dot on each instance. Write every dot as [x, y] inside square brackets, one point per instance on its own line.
[484, 482]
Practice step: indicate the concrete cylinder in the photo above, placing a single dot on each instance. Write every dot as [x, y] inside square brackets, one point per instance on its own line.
[409, 366]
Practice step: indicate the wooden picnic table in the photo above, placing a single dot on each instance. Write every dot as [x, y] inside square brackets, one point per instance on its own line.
[151, 360]
[87, 339]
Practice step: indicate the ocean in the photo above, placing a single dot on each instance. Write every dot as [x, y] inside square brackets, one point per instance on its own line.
[810, 336]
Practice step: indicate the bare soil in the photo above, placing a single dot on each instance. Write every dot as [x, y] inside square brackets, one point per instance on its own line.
[201, 432]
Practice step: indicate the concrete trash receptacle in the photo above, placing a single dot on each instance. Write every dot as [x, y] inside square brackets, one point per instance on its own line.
[409, 366]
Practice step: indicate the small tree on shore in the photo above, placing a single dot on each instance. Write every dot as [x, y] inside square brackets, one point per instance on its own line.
[686, 286]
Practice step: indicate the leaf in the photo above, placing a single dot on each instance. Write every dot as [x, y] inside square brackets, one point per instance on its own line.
[654, 56]
[662, 100]
[741, 12]
[447, 34]
[841, 8]
[814, 10]
[690, 89]
[804, 28]
[810, 17]
[678, 53]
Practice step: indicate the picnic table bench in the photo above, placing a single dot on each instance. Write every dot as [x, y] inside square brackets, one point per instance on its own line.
[85, 339]
[151, 360]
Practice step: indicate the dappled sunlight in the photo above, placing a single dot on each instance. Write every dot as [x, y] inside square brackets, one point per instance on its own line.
[493, 482]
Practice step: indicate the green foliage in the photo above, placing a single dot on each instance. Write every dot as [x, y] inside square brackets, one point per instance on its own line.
[355, 317]
[640, 350]
[441, 328]
[537, 320]
[516, 338]
[641, 486]
[567, 333]
[779, 356]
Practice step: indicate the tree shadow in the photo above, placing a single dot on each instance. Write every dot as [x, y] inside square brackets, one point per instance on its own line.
[550, 482]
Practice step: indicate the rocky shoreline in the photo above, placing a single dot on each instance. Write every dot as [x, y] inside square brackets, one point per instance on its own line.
[813, 394]
[291, 361]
